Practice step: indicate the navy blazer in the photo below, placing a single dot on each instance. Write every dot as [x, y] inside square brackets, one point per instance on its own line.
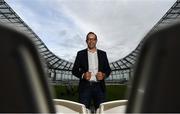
[81, 66]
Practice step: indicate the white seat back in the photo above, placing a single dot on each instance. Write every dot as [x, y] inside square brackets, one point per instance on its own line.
[66, 106]
[117, 106]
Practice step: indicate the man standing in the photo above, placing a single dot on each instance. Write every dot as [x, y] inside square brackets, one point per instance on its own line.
[91, 67]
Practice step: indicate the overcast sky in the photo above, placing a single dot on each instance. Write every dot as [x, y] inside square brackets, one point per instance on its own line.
[63, 24]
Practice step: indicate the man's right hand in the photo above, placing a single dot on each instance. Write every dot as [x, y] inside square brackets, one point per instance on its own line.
[87, 75]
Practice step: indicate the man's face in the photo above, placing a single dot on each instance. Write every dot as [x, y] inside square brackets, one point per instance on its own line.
[91, 41]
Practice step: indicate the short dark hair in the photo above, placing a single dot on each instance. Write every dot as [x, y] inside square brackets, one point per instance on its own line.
[89, 34]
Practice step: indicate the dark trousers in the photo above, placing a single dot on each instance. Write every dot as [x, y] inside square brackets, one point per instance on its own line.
[92, 91]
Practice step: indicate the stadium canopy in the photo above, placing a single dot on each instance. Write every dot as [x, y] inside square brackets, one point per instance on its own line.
[60, 69]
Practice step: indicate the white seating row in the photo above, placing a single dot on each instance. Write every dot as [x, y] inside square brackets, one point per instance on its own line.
[67, 107]
[111, 107]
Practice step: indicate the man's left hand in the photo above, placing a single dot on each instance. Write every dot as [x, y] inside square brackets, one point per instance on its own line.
[100, 75]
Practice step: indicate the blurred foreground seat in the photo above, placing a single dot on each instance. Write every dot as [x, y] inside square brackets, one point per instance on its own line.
[111, 107]
[70, 107]
[23, 83]
[156, 84]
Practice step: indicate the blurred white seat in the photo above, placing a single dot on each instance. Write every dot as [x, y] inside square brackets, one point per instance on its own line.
[117, 106]
[67, 107]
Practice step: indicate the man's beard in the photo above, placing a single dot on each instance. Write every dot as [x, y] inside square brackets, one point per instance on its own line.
[91, 47]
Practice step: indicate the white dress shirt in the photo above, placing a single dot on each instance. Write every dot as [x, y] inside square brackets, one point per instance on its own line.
[93, 64]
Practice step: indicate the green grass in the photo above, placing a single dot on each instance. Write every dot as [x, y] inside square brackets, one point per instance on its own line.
[61, 92]
[114, 92]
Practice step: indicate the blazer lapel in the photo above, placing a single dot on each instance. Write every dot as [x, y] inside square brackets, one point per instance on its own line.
[99, 60]
[86, 60]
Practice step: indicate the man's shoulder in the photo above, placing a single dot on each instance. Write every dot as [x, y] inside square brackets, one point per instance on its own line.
[85, 51]
[82, 51]
[101, 51]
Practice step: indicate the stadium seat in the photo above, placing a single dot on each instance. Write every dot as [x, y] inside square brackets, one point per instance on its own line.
[156, 83]
[111, 107]
[23, 82]
[67, 107]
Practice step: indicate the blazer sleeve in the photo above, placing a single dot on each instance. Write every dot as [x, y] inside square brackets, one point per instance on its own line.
[107, 68]
[77, 70]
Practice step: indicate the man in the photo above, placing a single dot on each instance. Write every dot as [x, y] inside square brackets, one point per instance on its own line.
[91, 67]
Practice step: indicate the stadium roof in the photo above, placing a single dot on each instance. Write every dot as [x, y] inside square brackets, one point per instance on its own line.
[9, 16]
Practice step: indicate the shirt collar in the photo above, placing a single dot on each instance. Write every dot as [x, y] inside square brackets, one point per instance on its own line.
[91, 51]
